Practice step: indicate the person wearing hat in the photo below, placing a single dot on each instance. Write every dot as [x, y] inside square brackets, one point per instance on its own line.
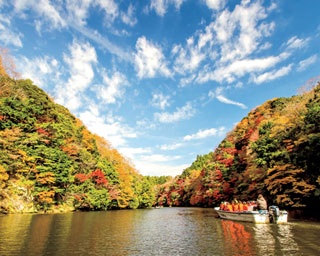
[261, 203]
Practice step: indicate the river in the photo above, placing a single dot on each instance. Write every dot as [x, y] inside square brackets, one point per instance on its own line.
[165, 231]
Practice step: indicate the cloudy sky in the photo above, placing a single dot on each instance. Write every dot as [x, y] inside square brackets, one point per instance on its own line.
[163, 80]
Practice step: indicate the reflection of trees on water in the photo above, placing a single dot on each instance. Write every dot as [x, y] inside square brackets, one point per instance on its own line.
[237, 239]
[258, 239]
[275, 239]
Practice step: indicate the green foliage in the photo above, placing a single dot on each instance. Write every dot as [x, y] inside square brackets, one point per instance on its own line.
[46, 151]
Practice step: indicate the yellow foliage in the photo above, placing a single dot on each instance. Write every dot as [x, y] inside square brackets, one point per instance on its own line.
[3, 176]
[45, 178]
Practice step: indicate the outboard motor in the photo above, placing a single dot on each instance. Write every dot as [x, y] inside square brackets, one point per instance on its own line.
[274, 213]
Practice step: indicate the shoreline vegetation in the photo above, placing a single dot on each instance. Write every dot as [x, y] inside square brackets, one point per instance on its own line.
[50, 162]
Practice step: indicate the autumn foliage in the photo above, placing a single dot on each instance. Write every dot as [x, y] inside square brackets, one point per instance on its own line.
[274, 150]
[49, 159]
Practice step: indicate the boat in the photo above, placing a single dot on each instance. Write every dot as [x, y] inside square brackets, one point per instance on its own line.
[272, 215]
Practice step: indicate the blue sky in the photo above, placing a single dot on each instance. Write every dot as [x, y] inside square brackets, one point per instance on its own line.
[163, 80]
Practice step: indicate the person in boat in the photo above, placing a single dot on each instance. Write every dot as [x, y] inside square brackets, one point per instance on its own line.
[229, 207]
[261, 203]
[235, 206]
[245, 206]
[240, 206]
[223, 206]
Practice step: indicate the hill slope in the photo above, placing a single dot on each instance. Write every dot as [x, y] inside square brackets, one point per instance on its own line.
[49, 161]
[275, 150]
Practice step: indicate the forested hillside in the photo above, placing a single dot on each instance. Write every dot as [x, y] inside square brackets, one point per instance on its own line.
[274, 150]
[49, 161]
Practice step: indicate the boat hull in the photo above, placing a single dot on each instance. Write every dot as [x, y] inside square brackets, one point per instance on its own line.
[251, 216]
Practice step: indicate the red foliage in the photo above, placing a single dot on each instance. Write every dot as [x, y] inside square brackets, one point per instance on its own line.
[98, 177]
[227, 162]
[230, 151]
[196, 199]
[43, 132]
[218, 175]
[216, 194]
[258, 119]
[227, 188]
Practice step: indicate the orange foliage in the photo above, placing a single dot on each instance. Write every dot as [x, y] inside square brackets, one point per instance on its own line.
[45, 197]
[81, 177]
[286, 181]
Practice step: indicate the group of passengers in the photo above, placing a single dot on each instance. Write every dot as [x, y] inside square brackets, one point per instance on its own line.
[239, 206]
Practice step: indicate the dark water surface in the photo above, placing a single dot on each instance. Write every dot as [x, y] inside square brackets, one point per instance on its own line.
[166, 231]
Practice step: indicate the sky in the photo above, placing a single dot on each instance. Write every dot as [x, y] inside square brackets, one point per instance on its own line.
[163, 80]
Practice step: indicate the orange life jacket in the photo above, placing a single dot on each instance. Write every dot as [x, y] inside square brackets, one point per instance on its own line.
[235, 207]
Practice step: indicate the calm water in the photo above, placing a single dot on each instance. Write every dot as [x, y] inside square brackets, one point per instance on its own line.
[166, 231]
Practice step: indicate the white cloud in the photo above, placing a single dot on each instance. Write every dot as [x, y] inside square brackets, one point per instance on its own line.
[187, 80]
[219, 96]
[170, 146]
[160, 101]
[113, 89]
[129, 17]
[223, 50]
[44, 9]
[223, 99]
[202, 134]
[188, 58]
[272, 75]
[240, 32]
[307, 62]
[152, 164]
[102, 41]
[149, 59]
[110, 9]
[239, 68]
[161, 6]
[182, 113]
[110, 128]
[8, 36]
[158, 158]
[158, 169]
[215, 4]
[79, 61]
[132, 153]
[297, 43]
[78, 11]
[41, 70]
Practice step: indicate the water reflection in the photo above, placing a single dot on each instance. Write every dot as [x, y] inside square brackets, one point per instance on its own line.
[13, 232]
[167, 231]
[37, 235]
[100, 233]
[237, 240]
[275, 239]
